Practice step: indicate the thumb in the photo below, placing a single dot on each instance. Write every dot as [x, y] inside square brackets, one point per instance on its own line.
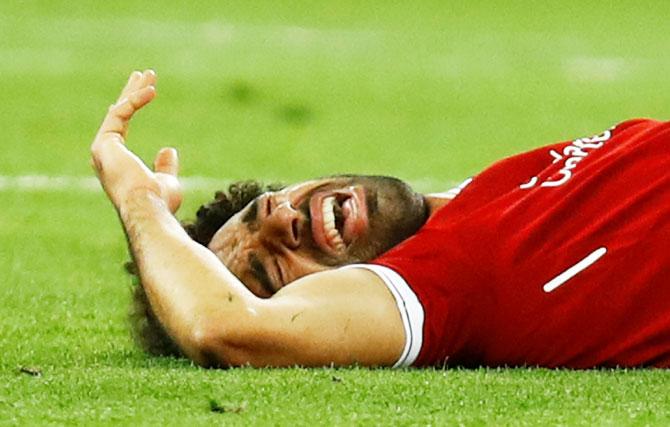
[167, 161]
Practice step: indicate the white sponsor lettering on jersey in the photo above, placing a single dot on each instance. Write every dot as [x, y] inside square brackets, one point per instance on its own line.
[570, 156]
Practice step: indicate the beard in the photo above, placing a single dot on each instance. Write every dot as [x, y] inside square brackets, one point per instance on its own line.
[395, 212]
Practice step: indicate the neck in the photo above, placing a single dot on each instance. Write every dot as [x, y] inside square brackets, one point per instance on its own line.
[434, 202]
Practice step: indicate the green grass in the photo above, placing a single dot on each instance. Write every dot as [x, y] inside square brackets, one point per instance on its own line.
[289, 90]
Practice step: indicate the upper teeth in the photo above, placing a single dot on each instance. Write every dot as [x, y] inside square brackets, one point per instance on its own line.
[332, 235]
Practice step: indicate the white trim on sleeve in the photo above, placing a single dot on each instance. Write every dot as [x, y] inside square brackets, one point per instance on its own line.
[411, 310]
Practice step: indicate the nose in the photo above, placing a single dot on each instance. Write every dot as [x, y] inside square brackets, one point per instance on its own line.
[281, 225]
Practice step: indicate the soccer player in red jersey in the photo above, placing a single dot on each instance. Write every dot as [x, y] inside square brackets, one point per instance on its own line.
[558, 257]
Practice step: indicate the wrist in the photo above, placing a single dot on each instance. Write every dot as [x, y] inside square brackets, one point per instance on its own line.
[139, 203]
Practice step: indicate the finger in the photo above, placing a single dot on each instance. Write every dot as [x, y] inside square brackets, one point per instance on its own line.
[120, 113]
[167, 161]
[137, 81]
[131, 85]
[136, 100]
[149, 78]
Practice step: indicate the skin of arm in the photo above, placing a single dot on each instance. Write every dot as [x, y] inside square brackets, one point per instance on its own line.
[338, 317]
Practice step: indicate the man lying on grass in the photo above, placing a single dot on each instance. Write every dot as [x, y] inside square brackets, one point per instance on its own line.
[557, 257]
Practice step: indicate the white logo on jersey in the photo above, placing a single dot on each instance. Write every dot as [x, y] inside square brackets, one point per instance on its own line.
[570, 156]
[574, 270]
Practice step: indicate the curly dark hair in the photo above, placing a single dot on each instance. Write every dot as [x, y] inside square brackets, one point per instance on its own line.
[148, 332]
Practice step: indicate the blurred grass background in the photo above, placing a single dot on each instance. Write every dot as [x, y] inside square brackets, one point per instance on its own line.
[296, 89]
[430, 91]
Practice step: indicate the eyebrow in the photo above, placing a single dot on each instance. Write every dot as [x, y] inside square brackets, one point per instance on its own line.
[261, 274]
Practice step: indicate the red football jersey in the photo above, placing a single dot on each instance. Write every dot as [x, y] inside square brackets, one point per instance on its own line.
[555, 257]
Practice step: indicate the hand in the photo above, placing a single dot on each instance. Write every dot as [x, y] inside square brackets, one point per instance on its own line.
[121, 173]
[166, 168]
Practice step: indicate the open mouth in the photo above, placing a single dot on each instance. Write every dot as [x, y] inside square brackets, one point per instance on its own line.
[338, 218]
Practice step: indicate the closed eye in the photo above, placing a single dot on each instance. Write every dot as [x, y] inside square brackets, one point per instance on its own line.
[261, 274]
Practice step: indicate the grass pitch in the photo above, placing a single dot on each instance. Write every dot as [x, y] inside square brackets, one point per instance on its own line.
[284, 91]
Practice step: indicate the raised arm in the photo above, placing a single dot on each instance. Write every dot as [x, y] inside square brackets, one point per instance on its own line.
[339, 317]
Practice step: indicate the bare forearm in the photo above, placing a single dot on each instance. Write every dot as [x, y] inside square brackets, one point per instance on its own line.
[191, 293]
[187, 286]
[204, 308]
[215, 320]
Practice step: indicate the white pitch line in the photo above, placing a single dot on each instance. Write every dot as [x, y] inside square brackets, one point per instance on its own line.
[49, 183]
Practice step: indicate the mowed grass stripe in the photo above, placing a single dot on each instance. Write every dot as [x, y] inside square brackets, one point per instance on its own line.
[345, 47]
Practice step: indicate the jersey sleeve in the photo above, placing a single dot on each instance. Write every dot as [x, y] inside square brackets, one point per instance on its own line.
[409, 307]
[425, 274]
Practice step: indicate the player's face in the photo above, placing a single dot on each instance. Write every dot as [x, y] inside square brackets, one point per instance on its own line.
[316, 225]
